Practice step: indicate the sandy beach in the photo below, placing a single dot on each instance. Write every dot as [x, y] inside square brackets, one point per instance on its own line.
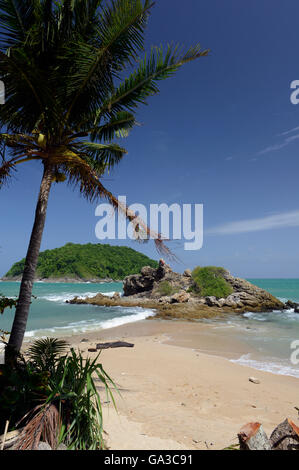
[180, 391]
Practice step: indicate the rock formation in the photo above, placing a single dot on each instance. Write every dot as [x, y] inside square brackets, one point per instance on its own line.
[172, 295]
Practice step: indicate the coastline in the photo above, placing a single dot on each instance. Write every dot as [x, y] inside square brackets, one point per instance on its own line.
[64, 280]
[180, 390]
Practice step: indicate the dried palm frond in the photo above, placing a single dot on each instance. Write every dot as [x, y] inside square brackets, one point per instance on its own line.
[6, 170]
[44, 424]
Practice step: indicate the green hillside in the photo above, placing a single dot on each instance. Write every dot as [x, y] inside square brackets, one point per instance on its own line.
[86, 262]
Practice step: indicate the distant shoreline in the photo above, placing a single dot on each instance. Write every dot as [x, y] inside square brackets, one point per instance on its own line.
[62, 280]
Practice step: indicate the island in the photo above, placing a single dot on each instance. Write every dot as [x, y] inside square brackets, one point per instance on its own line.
[203, 293]
[84, 263]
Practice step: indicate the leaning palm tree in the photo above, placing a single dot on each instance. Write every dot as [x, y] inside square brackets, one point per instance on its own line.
[73, 82]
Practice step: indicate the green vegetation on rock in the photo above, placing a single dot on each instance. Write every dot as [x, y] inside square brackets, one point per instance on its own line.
[209, 281]
[86, 262]
[165, 288]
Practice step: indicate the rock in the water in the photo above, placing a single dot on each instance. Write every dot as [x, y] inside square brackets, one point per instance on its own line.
[116, 296]
[291, 304]
[251, 295]
[149, 278]
[173, 295]
[143, 282]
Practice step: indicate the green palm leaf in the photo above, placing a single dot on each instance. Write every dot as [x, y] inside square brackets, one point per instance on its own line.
[17, 16]
[120, 34]
[142, 83]
[117, 126]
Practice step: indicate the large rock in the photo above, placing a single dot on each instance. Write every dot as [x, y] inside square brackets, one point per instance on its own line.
[248, 295]
[180, 297]
[149, 278]
[143, 282]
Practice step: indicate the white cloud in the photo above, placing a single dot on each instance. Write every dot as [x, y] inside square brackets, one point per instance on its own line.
[286, 219]
[290, 131]
[286, 142]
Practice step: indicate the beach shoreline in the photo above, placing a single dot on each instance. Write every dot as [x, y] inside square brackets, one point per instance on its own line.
[179, 389]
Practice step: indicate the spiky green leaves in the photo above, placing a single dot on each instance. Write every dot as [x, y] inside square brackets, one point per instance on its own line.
[17, 17]
[142, 83]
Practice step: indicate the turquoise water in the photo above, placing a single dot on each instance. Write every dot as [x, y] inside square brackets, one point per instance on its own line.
[267, 336]
[51, 315]
[285, 289]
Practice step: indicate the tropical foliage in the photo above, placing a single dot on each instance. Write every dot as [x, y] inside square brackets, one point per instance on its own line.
[54, 397]
[89, 261]
[209, 280]
[73, 83]
[6, 302]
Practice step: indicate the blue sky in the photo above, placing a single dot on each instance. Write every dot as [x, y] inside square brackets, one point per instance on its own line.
[222, 132]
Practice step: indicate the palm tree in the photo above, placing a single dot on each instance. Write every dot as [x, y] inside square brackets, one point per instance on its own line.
[73, 83]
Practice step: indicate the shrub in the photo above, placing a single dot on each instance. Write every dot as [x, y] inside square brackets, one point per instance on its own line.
[55, 397]
[209, 281]
[165, 288]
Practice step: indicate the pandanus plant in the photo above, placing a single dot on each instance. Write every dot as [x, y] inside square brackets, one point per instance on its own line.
[73, 83]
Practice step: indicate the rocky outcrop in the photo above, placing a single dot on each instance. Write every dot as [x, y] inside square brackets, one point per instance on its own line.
[245, 295]
[172, 296]
[142, 282]
[149, 281]
[294, 305]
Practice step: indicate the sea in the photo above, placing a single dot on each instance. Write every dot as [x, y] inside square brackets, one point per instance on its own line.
[272, 338]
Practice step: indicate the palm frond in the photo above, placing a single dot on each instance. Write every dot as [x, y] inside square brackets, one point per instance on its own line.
[86, 18]
[107, 155]
[6, 171]
[81, 175]
[45, 352]
[43, 423]
[121, 30]
[117, 126]
[142, 83]
[16, 18]
[120, 34]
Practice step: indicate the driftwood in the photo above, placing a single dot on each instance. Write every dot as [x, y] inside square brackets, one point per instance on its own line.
[285, 436]
[115, 344]
[253, 437]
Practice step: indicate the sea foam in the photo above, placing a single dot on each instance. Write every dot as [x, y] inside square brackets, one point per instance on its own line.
[64, 296]
[84, 326]
[271, 365]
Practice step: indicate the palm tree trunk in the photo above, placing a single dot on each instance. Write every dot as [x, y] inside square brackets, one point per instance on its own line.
[24, 300]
